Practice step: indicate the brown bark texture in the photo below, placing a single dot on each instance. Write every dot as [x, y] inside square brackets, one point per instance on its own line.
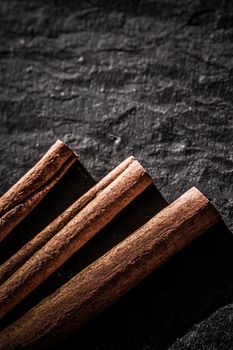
[22, 255]
[26, 194]
[112, 275]
[90, 220]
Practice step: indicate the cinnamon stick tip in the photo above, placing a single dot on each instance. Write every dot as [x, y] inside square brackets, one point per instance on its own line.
[130, 158]
[60, 142]
[144, 169]
[197, 193]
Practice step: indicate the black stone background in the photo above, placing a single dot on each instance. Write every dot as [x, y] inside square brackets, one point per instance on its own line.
[148, 78]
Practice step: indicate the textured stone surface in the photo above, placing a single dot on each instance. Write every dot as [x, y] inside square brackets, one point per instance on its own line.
[206, 335]
[148, 78]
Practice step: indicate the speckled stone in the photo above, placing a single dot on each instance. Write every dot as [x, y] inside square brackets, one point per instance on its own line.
[148, 78]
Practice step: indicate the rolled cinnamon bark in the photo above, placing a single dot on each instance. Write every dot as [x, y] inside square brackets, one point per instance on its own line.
[91, 219]
[112, 275]
[18, 259]
[26, 194]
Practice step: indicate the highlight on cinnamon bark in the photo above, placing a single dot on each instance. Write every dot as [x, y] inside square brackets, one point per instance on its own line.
[18, 259]
[90, 220]
[112, 275]
[26, 194]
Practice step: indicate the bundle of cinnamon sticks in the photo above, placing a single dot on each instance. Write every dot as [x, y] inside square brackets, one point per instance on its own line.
[107, 278]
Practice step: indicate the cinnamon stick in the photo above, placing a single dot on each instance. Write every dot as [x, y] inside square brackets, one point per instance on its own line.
[26, 194]
[91, 219]
[112, 275]
[17, 260]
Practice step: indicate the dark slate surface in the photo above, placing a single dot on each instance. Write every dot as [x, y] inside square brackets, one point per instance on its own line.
[149, 78]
